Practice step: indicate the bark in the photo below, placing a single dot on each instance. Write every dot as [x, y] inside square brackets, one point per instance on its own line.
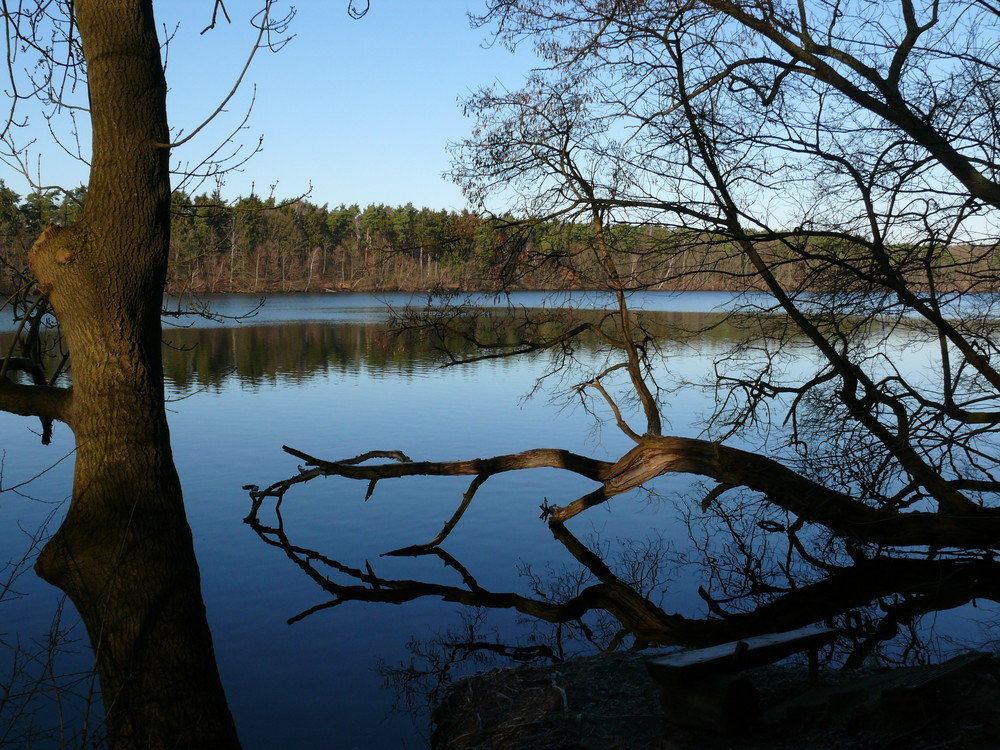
[124, 553]
[845, 516]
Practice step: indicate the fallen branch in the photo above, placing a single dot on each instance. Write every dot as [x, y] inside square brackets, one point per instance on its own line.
[653, 457]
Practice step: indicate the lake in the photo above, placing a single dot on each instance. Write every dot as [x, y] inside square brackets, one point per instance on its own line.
[317, 373]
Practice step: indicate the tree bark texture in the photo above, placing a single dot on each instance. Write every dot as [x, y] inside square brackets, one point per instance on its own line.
[124, 553]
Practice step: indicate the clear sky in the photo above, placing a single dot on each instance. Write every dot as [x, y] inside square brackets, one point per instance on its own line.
[360, 110]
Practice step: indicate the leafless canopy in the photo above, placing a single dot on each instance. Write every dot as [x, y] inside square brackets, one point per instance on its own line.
[838, 162]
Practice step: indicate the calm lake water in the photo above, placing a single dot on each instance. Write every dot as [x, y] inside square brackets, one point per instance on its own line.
[315, 372]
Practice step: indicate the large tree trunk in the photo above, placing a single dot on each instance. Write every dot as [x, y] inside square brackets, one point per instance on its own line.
[124, 553]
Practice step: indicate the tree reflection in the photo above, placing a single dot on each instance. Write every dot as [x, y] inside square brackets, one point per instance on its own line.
[778, 544]
[759, 587]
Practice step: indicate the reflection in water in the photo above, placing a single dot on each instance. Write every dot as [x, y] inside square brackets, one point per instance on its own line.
[604, 605]
[607, 604]
[901, 588]
[768, 571]
[237, 392]
[290, 353]
[267, 350]
[635, 613]
[343, 386]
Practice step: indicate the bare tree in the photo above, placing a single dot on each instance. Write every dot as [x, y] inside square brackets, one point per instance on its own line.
[839, 157]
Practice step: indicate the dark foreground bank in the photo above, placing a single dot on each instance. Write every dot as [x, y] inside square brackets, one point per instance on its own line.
[608, 702]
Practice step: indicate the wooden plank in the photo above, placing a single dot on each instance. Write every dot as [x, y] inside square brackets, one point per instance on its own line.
[738, 655]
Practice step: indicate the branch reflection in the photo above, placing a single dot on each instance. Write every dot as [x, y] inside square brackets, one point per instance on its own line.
[871, 598]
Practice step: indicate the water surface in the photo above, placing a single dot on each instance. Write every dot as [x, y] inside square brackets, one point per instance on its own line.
[316, 372]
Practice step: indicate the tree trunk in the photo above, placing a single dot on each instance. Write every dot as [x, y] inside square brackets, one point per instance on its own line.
[124, 553]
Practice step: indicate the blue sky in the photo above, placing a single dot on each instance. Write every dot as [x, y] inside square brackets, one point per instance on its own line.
[361, 110]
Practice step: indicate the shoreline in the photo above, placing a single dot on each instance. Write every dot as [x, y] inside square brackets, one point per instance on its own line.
[608, 702]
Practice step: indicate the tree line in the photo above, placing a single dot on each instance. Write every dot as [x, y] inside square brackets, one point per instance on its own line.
[256, 244]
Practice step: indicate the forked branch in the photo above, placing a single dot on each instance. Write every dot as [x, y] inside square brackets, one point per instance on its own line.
[653, 457]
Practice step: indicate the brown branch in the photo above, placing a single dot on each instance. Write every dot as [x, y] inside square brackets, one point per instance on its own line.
[949, 499]
[714, 494]
[477, 482]
[480, 467]
[524, 347]
[891, 107]
[43, 401]
[530, 459]
[23, 364]
[219, 5]
[32, 402]
[842, 514]
[596, 384]
[367, 456]
[973, 417]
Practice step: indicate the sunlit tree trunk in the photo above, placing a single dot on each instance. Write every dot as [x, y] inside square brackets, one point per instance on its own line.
[124, 552]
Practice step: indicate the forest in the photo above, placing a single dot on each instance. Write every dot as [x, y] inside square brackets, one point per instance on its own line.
[259, 245]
